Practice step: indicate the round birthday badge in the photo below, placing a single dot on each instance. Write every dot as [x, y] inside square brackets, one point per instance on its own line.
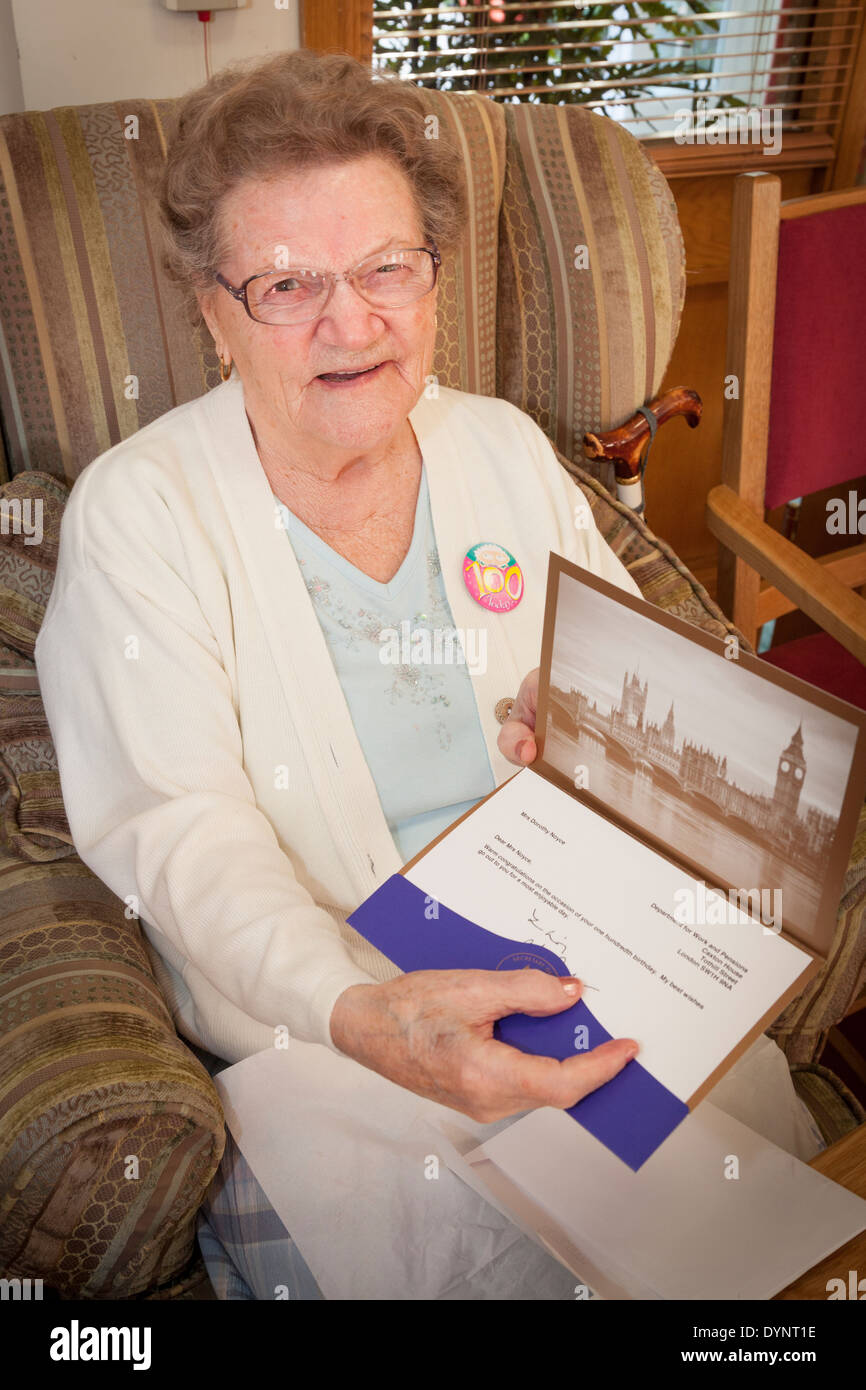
[493, 577]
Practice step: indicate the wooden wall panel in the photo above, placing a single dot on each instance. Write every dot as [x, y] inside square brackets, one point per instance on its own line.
[342, 25]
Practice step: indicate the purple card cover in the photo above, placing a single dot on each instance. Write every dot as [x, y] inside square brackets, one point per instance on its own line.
[632, 1114]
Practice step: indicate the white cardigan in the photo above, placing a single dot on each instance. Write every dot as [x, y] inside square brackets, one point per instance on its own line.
[210, 769]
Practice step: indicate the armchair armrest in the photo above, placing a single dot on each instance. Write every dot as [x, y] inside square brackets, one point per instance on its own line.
[110, 1129]
[804, 580]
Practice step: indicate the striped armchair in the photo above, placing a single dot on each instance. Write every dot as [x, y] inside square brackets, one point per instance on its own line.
[110, 1128]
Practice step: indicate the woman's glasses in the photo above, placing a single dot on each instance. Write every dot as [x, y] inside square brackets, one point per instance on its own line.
[386, 281]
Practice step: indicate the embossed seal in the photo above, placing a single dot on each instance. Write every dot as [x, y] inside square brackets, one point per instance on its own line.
[525, 960]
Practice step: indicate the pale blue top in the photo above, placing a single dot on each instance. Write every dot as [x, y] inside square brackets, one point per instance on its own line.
[405, 678]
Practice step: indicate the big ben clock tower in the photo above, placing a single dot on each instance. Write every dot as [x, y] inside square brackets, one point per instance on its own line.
[790, 775]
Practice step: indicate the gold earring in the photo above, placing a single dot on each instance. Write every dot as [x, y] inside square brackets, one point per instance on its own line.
[225, 370]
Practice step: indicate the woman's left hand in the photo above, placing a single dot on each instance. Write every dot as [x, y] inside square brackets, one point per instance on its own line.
[517, 736]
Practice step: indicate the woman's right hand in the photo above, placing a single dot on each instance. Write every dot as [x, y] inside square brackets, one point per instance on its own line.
[431, 1031]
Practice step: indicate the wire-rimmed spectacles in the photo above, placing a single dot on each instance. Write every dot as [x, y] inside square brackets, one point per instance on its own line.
[386, 280]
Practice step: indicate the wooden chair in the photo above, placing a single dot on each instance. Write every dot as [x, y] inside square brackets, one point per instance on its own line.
[794, 422]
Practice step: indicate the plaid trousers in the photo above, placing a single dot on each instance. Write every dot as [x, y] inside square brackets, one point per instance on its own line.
[245, 1246]
[247, 1250]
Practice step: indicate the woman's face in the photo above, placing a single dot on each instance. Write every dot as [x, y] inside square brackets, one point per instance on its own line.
[329, 218]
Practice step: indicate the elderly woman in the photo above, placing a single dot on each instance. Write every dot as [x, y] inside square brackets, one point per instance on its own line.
[238, 762]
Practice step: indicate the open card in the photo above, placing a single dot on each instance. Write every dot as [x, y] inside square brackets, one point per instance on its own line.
[679, 844]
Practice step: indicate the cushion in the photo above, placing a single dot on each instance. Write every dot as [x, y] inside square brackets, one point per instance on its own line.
[17, 673]
[817, 338]
[27, 561]
[465, 356]
[801, 1029]
[33, 822]
[98, 342]
[835, 1108]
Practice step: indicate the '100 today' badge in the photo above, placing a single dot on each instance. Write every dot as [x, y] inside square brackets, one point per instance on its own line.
[493, 577]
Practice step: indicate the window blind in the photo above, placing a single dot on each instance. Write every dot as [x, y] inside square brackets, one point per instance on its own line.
[646, 65]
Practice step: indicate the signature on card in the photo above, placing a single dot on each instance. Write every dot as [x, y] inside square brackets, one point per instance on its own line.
[550, 938]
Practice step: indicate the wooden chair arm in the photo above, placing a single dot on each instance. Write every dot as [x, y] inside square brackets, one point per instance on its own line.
[805, 581]
[625, 445]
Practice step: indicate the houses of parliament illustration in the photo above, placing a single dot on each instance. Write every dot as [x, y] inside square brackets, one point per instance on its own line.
[780, 817]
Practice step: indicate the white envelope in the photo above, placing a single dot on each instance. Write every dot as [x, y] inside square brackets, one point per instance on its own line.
[718, 1212]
